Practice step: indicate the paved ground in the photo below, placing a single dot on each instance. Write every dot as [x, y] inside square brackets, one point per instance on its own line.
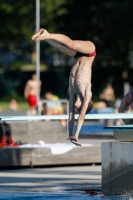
[51, 179]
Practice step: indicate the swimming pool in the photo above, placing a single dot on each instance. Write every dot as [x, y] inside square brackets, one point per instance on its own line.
[94, 129]
[67, 195]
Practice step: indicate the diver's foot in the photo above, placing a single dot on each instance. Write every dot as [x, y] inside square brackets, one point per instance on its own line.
[75, 141]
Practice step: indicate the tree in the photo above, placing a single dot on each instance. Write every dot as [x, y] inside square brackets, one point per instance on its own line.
[107, 23]
[18, 22]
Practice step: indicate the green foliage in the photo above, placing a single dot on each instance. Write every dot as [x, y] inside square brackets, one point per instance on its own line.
[49, 9]
[17, 24]
[107, 23]
[18, 18]
[23, 105]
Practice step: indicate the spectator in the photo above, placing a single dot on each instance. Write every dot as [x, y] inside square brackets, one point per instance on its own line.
[30, 93]
[127, 104]
[68, 91]
[113, 122]
[13, 105]
[53, 107]
[108, 96]
[106, 104]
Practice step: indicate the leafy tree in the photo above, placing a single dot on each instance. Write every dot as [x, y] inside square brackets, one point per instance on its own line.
[18, 22]
[107, 23]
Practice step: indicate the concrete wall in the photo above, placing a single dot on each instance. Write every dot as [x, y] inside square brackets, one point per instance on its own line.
[117, 168]
[50, 132]
[32, 132]
[123, 135]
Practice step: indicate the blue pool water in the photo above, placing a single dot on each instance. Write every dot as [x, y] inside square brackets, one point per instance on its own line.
[56, 196]
[94, 129]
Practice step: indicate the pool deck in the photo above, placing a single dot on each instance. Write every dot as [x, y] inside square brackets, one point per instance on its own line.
[51, 179]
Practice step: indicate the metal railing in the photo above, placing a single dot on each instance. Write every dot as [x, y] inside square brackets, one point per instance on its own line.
[61, 101]
[55, 102]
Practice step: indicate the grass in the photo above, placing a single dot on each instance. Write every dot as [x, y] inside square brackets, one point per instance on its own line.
[23, 105]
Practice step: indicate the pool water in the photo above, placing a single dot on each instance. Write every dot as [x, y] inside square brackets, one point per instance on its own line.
[79, 195]
[95, 129]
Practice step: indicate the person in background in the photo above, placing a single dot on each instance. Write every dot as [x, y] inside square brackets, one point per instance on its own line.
[54, 106]
[30, 93]
[107, 102]
[13, 105]
[127, 103]
[108, 96]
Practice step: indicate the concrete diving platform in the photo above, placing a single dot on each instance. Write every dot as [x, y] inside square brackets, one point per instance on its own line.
[117, 162]
[45, 143]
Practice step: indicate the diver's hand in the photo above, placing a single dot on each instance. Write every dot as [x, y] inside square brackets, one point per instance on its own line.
[42, 34]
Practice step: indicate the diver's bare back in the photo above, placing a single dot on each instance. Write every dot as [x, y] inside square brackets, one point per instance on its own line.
[80, 75]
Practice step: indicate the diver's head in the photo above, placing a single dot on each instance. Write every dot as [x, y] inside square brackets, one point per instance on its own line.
[90, 106]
